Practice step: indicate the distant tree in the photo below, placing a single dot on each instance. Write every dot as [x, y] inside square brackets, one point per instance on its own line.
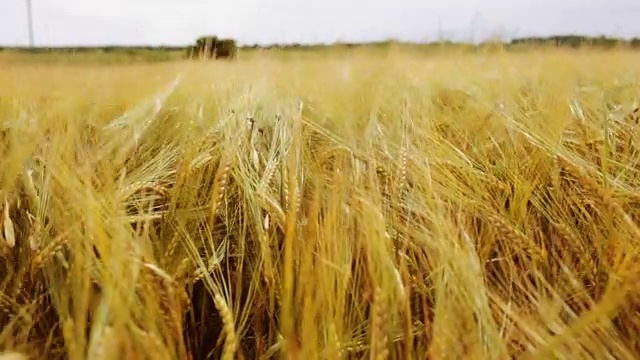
[206, 46]
[226, 49]
[210, 47]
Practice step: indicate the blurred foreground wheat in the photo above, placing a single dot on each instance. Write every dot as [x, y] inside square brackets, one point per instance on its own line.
[483, 207]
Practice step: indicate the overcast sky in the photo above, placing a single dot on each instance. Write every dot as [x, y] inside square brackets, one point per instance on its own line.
[174, 22]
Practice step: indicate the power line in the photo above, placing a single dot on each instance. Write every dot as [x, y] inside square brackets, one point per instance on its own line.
[30, 23]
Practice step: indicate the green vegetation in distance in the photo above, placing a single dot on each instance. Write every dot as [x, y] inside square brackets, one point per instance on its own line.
[211, 47]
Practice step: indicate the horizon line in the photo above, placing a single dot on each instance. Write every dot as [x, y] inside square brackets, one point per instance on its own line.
[505, 40]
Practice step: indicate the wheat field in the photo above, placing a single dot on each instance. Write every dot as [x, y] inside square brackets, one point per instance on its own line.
[348, 205]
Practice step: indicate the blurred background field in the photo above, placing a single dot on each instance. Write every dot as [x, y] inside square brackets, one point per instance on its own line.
[381, 202]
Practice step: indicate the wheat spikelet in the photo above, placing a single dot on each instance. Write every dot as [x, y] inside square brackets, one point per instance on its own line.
[379, 337]
[52, 249]
[230, 342]
[158, 189]
[201, 273]
[590, 184]
[505, 229]
[633, 116]
[565, 232]
[221, 180]
[603, 196]
[29, 187]
[172, 247]
[182, 270]
[284, 185]
[269, 174]
[255, 156]
[359, 346]
[273, 208]
[163, 285]
[34, 238]
[514, 236]
[419, 285]
[382, 173]
[295, 192]
[385, 188]
[142, 186]
[267, 265]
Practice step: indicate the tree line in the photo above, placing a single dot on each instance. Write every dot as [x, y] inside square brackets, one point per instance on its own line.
[212, 47]
[577, 41]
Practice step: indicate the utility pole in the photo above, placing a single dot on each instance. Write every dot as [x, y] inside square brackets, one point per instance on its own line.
[30, 23]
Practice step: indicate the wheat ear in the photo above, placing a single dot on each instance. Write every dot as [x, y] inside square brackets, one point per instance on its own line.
[230, 343]
[379, 338]
[220, 185]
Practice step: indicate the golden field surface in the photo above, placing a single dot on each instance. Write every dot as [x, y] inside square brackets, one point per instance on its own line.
[347, 205]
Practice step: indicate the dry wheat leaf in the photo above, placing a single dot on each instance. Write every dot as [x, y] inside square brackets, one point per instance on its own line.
[9, 233]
